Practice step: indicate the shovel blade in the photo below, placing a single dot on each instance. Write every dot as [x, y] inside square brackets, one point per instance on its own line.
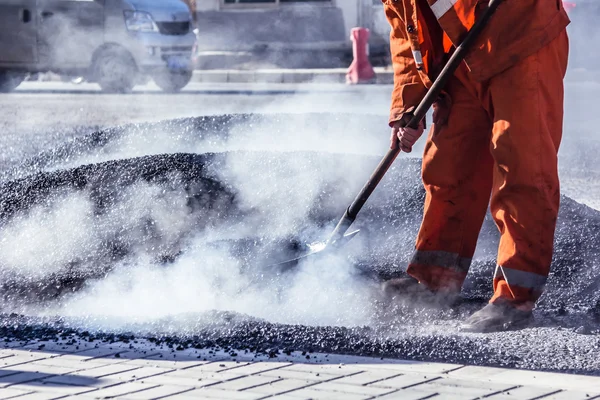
[318, 248]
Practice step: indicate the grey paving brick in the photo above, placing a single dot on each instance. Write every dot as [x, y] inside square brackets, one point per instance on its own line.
[210, 393]
[43, 368]
[81, 381]
[451, 386]
[572, 395]
[245, 382]
[306, 376]
[407, 366]
[311, 393]
[43, 387]
[198, 374]
[255, 368]
[330, 369]
[281, 386]
[41, 396]
[368, 377]
[139, 373]
[404, 381]
[168, 379]
[146, 362]
[217, 366]
[23, 358]
[7, 393]
[120, 390]
[21, 377]
[106, 370]
[525, 393]
[355, 389]
[157, 392]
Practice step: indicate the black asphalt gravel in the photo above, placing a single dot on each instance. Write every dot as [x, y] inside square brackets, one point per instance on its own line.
[215, 189]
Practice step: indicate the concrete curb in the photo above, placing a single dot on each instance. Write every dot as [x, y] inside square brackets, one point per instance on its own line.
[338, 75]
[326, 76]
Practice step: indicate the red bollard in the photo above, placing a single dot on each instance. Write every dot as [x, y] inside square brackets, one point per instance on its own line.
[569, 5]
[361, 70]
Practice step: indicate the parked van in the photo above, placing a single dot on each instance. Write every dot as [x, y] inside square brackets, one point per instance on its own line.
[111, 42]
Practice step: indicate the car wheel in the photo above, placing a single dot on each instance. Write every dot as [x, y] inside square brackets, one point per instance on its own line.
[115, 71]
[171, 81]
[9, 80]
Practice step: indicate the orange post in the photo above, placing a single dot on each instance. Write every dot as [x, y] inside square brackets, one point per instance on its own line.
[361, 70]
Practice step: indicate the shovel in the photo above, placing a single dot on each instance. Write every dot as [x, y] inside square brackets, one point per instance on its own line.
[340, 237]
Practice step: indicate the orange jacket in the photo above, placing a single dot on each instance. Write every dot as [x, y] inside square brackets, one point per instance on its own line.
[518, 29]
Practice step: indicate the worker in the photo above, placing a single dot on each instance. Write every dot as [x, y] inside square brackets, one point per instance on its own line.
[496, 131]
[193, 9]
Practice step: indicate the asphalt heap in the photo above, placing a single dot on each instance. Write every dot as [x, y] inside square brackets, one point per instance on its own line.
[229, 192]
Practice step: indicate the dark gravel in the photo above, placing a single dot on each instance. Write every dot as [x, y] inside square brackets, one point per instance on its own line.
[564, 337]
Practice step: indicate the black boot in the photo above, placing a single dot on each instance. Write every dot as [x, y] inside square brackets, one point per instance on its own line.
[409, 292]
[497, 317]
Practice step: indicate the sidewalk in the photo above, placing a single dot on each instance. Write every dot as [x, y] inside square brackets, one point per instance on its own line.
[141, 370]
[334, 75]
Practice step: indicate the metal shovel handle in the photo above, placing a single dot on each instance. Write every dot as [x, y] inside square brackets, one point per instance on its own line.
[418, 114]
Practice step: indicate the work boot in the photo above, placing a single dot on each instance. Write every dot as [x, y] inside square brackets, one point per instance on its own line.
[409, 292]
[497, 317]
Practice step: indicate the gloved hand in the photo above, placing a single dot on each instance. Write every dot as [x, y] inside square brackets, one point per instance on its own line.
[404, 136]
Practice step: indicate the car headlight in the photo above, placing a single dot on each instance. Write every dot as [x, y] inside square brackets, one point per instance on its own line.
[138, 21]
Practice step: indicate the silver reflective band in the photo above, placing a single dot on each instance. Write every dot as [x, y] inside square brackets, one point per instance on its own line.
[418, 57]
[523, 279]
[441, 7]
[441, 259]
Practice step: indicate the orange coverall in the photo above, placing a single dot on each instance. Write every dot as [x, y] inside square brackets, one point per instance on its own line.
[501, 137]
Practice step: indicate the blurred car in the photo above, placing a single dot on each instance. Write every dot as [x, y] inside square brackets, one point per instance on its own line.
[116, 43]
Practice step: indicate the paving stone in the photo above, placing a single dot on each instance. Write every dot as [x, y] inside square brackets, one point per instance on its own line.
[41, 396]
[80, 381]
[335, 370]
[311, 393]
[120, 390]
[280, 386]
[255, 368]
[345, 388]
[42, 368]
[43, 387]
[451, 386]
[106, 370]
[159, 391]
[139, 373]
[411, 394]
[407, 366]
[21, 377]
[246, 382]
[7, 393]
[526, 393]
[189, 381]
[146, 362]
[217, 366]
[210, 393]
[368, 377]
[403, 381]
[21, 358]
[306, 376]
[572, 395]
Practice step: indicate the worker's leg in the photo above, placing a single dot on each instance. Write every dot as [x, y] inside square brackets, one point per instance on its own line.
[527, 107]
[457, 175]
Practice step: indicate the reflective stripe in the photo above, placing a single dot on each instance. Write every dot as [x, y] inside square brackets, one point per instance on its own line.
[441, 259]
[522, 279]
[418, 57]
[441, 7]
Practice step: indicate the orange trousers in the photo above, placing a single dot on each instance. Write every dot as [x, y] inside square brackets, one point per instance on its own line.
[501, 139]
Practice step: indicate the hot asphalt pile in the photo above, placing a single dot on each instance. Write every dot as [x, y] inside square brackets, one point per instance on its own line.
[255, 207]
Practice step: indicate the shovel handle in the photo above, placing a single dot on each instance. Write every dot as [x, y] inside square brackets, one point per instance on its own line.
[418, 114]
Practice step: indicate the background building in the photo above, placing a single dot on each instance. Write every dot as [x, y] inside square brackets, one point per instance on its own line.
[286, 33]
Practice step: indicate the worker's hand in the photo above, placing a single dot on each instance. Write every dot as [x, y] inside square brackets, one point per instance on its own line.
[404, 136]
